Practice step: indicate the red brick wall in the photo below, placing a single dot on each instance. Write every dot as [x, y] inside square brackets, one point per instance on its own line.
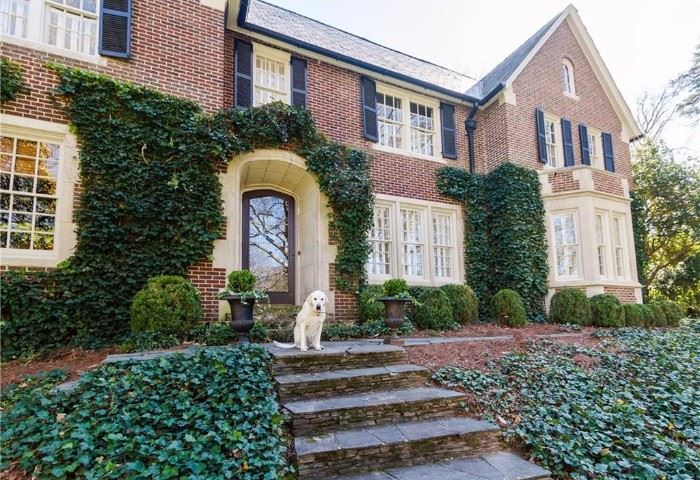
[509, 131]
[563, 181]
[209, 281]
[624, 294]
[177, 47]
[605, 182]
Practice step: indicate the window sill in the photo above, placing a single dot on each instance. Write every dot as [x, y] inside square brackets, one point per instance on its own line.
[43, 47]
[406, 153]
[572, 96]
[29, 258]
[414, 282]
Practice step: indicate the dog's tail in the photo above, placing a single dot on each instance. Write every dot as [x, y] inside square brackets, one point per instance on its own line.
[283, 345]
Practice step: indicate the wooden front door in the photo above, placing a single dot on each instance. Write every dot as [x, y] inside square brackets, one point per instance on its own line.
[268, 242]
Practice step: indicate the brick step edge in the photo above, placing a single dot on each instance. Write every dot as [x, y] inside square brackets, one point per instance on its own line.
[345, 382]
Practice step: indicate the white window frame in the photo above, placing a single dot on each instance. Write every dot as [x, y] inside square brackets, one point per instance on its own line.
[407, 98]
[427, 210]
[602, 242]
[277, 55]
[37, 34]
[577, 232]
[595, 144]
[568, 78]
[619, 250]
[557, 146]
[391, 241]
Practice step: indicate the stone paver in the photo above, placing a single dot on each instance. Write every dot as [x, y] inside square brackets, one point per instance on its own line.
[370, 399]
[353, 373]
[383, 435]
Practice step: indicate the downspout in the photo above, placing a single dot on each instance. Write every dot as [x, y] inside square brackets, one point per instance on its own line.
[470, 125]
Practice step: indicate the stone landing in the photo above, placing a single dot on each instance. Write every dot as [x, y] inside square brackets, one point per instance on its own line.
[360, 411]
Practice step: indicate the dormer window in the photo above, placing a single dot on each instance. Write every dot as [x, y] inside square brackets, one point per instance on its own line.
[568, 77]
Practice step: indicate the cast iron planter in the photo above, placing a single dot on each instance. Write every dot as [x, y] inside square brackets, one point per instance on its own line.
[241, 315]
[394, 311]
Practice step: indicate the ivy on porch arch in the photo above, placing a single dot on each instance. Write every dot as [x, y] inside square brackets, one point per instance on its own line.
[151, 200]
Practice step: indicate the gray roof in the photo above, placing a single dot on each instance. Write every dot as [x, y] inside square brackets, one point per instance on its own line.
[304, 31]
[502, 72]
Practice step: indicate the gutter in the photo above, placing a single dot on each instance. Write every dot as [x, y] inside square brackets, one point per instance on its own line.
[470, 125]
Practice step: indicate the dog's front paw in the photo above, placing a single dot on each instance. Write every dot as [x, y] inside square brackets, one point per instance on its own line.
[304, 349]
[318, 347]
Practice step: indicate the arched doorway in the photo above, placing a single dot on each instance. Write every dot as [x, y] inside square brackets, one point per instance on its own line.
[268, 248]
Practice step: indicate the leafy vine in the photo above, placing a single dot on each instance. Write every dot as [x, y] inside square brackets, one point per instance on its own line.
[12, 82]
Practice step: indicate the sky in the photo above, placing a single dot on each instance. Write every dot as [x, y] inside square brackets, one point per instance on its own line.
[643, 43]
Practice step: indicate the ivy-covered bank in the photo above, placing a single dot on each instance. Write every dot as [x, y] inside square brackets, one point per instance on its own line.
[505, 240]
[151, 201]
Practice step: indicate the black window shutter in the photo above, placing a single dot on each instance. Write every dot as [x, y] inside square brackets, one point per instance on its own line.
[369, 108]
[243, 89]
[568, 143]
[585, 148]
[298, 82]
[115, 28]
[449, 139]
[608, 152]
[541, 138]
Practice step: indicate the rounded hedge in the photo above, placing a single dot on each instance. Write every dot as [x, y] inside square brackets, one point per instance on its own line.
[658, 315]
[465, 305]
[570, 306]
[606, 311]
[241, 281]
[433, 311]
[508, 308]
[395, 287]
[636, 315]
[167, 304]
[673, 311]
[371, 309]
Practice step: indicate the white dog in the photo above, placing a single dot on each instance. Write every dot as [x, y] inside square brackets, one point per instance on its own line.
[309, 324]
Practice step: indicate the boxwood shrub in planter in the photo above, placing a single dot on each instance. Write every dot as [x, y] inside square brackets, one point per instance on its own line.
[570, 306]
[658, 316]
[673, 311]
[433, 311]
[636, 315]
[465, 305]
[508, 308]
[167, 304]
[606, 311]
[241, 296]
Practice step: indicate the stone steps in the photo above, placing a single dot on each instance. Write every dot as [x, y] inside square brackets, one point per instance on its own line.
[359, 409]
[336, 356]
[372, 408]
[492, 466]
[393, 445]
[332, 383]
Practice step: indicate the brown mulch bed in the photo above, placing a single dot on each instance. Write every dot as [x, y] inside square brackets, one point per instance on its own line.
[478, 354]
[492, 330]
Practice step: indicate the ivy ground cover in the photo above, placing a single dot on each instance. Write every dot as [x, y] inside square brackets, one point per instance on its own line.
[207, 416]
[629, 411]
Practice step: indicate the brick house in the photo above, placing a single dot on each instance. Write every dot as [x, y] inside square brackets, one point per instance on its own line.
[551, 106]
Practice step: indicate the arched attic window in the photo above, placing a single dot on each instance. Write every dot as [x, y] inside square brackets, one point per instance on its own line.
[568, 76]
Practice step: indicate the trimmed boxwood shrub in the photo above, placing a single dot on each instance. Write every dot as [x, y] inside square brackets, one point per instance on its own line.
[673, 311]
[213, 414]
[371, 308]
[167, 304]
[241, 281]
[658, 315]
[394, 287]
[636, 315]
[570, 306]
[433, 311]
[508, 308]
[465, 305]
[606, 311]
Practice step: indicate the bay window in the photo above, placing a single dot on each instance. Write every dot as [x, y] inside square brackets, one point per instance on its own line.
[28, 196]
[414, 240]
[566, 245]
[618, 246]
[601, 243]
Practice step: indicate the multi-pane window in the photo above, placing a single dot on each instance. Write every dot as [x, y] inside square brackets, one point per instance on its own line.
[600, 243]
[270, 80]
[72, 25]
[566, 245]
[422, 129]
[412, 242]
[618, 248]
[442, 245]
[593, 150]
[568, 77]
[390, 120]
[551, 141]
[28, 175]
[379, 262]
[13, 17]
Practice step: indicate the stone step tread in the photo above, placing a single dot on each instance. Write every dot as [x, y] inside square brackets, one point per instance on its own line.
[371, 399]
[391, 434]
[332, 349]
[491, 466]
[291, 379]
